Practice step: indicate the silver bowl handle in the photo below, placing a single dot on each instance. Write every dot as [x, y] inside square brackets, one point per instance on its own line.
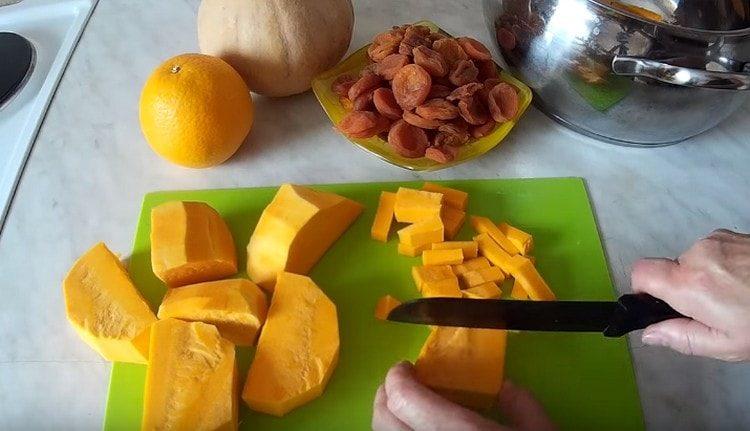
[684, 76]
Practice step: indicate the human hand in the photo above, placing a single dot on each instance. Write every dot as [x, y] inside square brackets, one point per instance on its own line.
[710, 283]
[402, 403]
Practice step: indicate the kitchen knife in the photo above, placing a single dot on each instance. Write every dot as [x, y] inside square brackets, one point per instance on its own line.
[613, 319]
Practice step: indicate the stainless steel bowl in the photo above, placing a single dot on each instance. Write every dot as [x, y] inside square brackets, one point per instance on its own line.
[612, 74]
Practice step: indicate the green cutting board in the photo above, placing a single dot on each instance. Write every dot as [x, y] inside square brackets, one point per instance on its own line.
[585, 381]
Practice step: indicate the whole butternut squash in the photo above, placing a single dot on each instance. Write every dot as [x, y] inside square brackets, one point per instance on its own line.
[277, 46]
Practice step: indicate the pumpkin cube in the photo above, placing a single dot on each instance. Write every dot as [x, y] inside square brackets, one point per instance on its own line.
[483, 275]
[190, 243]
[489, 290]
[413, 206]
[523, 241]
[384, 306]
[469, 248]
[443, 257]
[455, 198]
[465, 365]
[237, 307]
[411, 251]
[485, 225]
[295, 230]
[423, 233]
[383, 217]
[106, 309]
[471, 265]
[191, 379]
[453, 220]
[430, 274]
[298, 348]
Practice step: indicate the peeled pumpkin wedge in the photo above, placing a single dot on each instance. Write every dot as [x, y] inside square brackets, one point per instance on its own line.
[295, 230]
[298, 348]
[464, 365]
[191, 379]
[106, 309]
[237, 307]
[190, 243]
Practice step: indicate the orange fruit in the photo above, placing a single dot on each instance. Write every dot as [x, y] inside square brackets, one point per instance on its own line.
[195, 110]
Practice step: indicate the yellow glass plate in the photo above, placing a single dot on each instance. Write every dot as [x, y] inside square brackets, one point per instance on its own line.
[353, 64]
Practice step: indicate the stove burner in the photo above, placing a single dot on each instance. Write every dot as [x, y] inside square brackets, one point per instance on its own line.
[16, 64]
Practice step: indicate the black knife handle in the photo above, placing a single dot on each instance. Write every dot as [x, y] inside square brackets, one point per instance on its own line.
[637, 311]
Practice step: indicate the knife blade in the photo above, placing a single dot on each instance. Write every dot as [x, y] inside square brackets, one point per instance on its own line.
[612, 318]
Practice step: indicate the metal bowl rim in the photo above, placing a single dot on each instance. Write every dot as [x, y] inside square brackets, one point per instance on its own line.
[681, 29]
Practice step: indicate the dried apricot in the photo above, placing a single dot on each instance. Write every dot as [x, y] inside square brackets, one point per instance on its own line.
[473, 110]
[487, 69]
[363, 101]
[438, 91]
[415, 35]
[362, 124]
[474, 48]
[410, 86]
[483, 130]
[465, 91]
[436, 36]
[424, 123]
[488, 85]
[407, 140]
[447, 139]
[463, 73]
[503, 102]
[430, 60]
[388, 67]
[365, 83]
[378, 51]
[440, 154]
[437, 109]
[370, 68]
[346, 103]
[386, 104]
[393, 35]
[341, 85]
[450, 50]
[455, 133]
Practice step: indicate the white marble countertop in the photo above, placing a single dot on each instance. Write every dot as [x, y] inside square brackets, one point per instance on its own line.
[90, 168]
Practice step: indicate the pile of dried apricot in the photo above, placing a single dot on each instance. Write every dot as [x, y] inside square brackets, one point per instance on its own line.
[427, 94]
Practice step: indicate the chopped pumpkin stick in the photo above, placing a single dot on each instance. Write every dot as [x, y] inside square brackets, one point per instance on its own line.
[443, 257]
[488, 290]
[485, 225]
[518, 291]
[423, 233]
[413, 206]
[522, 240]
[469, 248]
[483, 275]
[520, 267]
[384, 306]
[430, 274]
[471, 265]
[532, 282]
[383, 217]
[453, 220]
[411, 251]
[455, 198]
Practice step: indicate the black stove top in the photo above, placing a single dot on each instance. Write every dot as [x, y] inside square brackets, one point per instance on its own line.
[16, 62]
